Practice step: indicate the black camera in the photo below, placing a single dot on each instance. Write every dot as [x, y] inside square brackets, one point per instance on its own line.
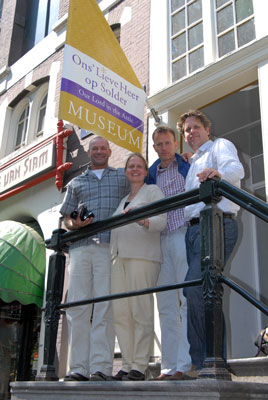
[84, 213]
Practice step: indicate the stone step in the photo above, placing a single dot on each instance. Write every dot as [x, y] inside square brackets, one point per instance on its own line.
[253, 369]
[202, 389]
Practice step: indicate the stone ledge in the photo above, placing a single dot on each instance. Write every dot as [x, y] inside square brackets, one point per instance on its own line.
[187, 390]
[253, 369]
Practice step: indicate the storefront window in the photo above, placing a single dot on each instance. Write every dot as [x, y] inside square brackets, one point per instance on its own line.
[19, 337]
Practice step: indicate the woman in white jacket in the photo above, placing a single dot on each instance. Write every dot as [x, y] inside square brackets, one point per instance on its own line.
[136, 258]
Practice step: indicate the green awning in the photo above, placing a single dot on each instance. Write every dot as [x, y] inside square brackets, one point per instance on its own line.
[22, 263]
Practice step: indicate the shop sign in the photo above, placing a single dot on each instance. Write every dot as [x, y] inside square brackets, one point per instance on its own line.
[27, 167]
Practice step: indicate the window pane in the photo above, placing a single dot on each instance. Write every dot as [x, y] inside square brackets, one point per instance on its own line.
[195, 35]
[178, 22]
[226, 43]
[246, 32]
[257, 168]
[196, 59]
[19, 134]
[225, 19]
[175, 4]
[220, 3]
[178, 46]
[42, 114]
[243, 8]
[22, 127]
[194, 12]
[179, 69]
[53, 14]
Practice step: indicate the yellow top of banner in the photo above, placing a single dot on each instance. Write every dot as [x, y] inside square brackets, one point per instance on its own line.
[89, 32]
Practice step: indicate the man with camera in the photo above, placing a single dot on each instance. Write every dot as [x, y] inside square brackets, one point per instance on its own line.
[94, 194]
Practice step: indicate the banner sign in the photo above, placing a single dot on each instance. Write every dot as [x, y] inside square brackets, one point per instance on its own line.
[99, 90]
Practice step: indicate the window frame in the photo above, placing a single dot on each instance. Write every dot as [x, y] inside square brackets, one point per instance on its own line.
[34, 100]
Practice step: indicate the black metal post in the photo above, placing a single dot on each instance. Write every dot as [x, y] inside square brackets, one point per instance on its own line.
[212, 264]
[52, 313]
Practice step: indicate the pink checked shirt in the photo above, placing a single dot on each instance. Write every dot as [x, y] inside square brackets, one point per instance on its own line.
[171, 182]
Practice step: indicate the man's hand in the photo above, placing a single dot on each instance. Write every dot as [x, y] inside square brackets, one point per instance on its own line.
[72, 223]
[187, 156]
[208, 173]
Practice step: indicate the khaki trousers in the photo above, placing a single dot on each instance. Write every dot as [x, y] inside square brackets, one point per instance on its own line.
[134, 316]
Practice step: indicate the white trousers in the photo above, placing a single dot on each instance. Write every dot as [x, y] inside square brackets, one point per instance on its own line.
[134, 316]
[91, 345]
[172, 304]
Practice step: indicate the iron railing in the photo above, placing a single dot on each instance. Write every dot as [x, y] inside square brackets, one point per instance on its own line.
[212, 264]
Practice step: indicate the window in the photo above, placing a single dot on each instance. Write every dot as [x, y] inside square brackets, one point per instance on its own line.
[33, 21]
[22, 127]
[187, 46]
[1, 8]
[41, 117]
[202, 31]
[116, 28]
[234, 24]
[28, 119]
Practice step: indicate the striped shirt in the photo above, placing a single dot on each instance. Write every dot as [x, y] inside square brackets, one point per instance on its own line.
[171, 182]
[101, 196]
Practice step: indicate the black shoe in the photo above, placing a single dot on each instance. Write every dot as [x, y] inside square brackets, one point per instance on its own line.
[75, 376]
[119, 375]
[134, 375]
[99, 376]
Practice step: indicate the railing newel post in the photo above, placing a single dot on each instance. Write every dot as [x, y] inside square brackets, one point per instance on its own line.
[54, 293]
[212, 264]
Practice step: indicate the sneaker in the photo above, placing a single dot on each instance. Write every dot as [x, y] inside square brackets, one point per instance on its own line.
[134, 375]
[119, 375]
[75, 376]
[99, 376]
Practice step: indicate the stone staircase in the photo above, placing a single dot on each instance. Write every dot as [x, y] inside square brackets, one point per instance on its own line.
[249, 381]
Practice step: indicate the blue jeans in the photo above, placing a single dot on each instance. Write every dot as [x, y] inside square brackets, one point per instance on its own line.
[194, 295]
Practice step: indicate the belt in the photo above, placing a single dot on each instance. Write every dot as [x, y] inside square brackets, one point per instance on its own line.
[195, 221]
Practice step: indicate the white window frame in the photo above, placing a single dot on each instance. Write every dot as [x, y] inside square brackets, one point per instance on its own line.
[233, 27]
[186, 30]
[25, 123]
[34, 100]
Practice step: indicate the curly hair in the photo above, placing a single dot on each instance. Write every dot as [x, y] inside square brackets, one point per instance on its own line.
[193, 113]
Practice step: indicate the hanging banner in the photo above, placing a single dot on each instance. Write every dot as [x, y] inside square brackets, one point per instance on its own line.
[99, 90]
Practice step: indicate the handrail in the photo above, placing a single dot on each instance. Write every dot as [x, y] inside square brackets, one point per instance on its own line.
[246, 200]
[244, 293]
[211, 265]
[155, 289]
[155, 208]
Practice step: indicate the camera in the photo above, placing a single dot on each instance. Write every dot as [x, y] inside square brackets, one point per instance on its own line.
[84, 213]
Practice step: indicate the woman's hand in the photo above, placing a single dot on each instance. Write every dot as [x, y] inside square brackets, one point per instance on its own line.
[143, 222]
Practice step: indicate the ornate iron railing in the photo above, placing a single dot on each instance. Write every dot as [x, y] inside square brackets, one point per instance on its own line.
[212, 264]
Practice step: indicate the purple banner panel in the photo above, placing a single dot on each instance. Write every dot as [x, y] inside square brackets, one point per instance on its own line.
[100, 102]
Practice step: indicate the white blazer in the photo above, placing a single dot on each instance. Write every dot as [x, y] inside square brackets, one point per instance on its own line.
[133, 240]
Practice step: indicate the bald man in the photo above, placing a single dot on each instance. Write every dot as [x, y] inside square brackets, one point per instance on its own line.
[100, 188]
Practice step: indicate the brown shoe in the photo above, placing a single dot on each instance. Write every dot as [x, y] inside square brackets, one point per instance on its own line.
[161, 377]
[190, 375]
[178, 376]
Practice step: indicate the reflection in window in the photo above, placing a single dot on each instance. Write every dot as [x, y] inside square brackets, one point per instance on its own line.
[22, 127]
[33, 21]
[187, 46]
[41, 118]
[235, 24]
